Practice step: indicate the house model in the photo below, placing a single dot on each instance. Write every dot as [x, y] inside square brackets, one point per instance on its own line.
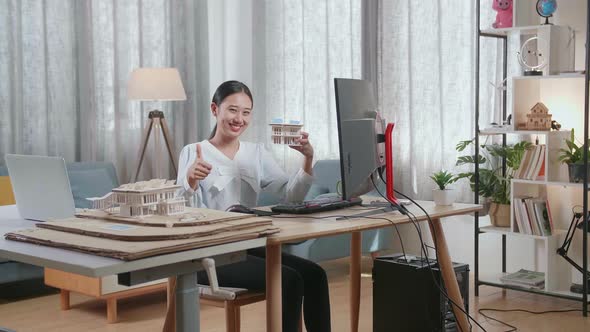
[144, 198]
[538, 118]
[285, 133]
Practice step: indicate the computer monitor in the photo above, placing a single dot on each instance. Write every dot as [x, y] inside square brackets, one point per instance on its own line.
[360, 135]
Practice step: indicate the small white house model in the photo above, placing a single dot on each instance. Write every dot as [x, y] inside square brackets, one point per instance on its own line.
[285, 133]
[144, 198]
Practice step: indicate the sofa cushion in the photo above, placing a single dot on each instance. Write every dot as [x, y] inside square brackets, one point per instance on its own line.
[92, 165]
[6, 193]
[326, 174]
[90, 183]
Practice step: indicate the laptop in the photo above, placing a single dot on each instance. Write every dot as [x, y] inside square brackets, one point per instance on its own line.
[41, 187]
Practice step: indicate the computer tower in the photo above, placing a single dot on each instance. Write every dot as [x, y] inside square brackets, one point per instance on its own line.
[406, 297]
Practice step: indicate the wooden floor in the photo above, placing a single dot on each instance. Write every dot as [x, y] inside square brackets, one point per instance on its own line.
[147, 313]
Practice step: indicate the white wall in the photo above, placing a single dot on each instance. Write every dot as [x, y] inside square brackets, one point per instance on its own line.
[573, 13]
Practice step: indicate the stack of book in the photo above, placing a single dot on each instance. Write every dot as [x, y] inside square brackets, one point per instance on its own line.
[532, 166]
[525, 278]
[532, 216]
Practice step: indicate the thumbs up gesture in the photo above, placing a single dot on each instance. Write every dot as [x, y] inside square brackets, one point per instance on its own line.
[198, 170]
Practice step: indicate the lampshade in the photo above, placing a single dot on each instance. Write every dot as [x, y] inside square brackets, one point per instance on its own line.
[162, 84]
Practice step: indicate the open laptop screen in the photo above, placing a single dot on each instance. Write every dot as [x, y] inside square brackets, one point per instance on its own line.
[41, 187]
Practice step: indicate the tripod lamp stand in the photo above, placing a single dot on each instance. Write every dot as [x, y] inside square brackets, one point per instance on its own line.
[155, 84]
[577, 222]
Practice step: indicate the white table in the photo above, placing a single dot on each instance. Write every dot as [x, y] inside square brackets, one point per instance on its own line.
[184, 265]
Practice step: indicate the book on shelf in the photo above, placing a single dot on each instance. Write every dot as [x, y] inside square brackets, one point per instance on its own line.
[525, 278]
[523, 163]
[541, 209]
[536, 230]
[536, 170]
[532, 166]
[549, 216]
[532, 216]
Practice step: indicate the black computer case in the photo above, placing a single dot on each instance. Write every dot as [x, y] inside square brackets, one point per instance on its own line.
[406, 297]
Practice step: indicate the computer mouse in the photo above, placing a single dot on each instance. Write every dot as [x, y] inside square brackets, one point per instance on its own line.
[239, 208]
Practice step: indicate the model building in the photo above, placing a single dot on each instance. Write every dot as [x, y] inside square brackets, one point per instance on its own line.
[140, 199]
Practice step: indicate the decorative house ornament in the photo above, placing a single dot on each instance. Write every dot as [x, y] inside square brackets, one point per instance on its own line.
[141, 199]
[285, 133]
[538, 118]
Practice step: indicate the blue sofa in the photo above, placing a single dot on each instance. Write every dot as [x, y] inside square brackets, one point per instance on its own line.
[327, 175]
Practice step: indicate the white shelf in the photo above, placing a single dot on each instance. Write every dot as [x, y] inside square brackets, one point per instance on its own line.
[507, 231]
[565, 184]
[494, 229]
[494, 278]
[549, 183]
[506, 31]
[549, 77]
[525, 30]
[514, 132]
[539, 182]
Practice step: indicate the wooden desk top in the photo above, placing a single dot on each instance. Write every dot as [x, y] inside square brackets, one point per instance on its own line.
[304, 227]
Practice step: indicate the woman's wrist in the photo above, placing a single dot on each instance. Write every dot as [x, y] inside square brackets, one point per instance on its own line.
[193, 183]
[307, 165]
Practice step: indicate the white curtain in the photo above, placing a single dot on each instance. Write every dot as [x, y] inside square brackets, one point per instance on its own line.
[288, 52]
[425, 83]
[66, 63]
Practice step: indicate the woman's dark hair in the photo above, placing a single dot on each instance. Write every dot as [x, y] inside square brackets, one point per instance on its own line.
[226, 89]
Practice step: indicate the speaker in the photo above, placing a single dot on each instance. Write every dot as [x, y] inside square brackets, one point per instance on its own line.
[406, 296]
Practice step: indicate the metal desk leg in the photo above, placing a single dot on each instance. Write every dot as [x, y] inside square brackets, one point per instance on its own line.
[448, 273]
[183, 304]
[274, 304]
[187, 302]
[355, 280]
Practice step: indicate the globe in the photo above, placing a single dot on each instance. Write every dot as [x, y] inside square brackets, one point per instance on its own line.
[546, 8]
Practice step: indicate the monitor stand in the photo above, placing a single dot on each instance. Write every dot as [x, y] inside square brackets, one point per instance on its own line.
[379, 208]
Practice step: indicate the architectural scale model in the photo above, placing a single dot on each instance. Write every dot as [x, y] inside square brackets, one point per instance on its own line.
[140, 199]
[285, 133]
[538, 118]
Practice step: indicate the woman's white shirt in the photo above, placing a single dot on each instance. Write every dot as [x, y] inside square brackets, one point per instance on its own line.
[238, 180]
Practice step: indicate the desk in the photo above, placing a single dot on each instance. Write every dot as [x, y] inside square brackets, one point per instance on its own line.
[302, 228]
[183, 264]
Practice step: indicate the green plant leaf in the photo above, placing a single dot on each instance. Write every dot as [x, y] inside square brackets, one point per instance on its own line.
[462, 145]
[469, 160]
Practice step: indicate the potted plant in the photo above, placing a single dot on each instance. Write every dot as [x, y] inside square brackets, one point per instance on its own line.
[573, 157]
[494, 184]
[443, 195]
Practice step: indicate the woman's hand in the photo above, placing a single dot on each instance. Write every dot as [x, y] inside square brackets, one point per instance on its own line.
[306, 150]
[304, 146]
[198, 171]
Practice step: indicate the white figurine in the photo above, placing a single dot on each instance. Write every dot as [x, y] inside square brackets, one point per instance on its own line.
[285, 133]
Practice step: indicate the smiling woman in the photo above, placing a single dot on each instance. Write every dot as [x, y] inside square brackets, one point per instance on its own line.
[232, 103]
[223, 171]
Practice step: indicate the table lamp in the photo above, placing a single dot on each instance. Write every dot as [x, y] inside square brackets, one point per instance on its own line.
[155, 84]
[576, 223]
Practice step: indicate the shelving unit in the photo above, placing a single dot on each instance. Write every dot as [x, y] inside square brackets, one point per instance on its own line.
[561, 93]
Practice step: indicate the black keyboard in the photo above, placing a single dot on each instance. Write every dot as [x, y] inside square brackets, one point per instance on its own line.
[319, 205]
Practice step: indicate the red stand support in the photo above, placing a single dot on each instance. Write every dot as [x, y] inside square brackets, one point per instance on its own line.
[389, 164]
